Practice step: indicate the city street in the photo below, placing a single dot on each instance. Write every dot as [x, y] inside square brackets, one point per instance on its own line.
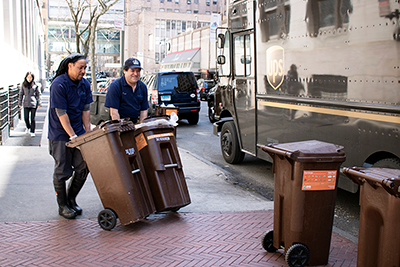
[252, 174]
[222, 226]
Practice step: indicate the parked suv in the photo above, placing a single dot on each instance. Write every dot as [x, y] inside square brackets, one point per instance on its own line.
[177, 88]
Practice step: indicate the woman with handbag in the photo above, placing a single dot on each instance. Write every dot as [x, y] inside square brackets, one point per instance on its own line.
[29, 98]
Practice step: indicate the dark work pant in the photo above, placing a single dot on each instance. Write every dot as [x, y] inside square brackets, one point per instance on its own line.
[67, 161]
[30, 124]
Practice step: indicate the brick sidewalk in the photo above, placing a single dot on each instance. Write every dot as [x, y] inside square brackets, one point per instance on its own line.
[170, 239]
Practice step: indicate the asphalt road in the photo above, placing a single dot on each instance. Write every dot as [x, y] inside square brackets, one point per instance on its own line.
[256, 174]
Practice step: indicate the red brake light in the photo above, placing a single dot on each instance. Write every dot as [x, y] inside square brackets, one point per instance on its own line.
[198, 94]
[154, 97]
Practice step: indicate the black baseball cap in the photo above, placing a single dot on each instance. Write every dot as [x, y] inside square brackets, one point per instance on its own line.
[132, 63]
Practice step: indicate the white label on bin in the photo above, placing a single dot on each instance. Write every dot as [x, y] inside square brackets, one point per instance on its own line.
[319, 180]
[160, 136]
[130, 151]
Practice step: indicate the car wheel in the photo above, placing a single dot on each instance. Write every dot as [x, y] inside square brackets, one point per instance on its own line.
[230, 144]
[193, 119]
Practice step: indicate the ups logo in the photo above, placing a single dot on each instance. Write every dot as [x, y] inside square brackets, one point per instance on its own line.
[275, 66]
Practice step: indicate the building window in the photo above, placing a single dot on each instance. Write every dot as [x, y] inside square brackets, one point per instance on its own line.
[208, 2]
[162, 9]
[169, 0]
[179, 26]
[195, 11]
[183, 26]
[176, 1]
[176, 10]
[189, 2]
[208, 13]
[169, 9]
[188, 11]
[161, 1]
[196, 2]
[215, 2]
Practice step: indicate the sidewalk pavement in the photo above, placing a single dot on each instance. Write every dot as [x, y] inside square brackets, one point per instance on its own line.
[221, 227]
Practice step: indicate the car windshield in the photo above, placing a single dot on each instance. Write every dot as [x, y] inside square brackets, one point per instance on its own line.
[181, 82]
[210, 84]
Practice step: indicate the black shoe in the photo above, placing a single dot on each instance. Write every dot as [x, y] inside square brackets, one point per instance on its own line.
[63, 209]
[75, 185]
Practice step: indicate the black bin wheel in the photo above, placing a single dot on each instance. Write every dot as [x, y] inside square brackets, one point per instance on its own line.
[267, 241]
[107, 219]
[297, 255]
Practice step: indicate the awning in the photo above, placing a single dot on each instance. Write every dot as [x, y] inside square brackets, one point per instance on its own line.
[182, 56]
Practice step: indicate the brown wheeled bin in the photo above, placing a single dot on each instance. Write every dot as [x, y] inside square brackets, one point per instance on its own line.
[166, 110]
[157, 146]
[117, 170]
[304, 199]
[379, 234]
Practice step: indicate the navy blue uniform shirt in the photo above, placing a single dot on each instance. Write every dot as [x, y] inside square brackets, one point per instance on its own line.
[65, 94]
[130, 103]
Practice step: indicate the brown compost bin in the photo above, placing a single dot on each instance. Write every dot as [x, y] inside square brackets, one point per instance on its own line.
[304, 199]
[379, 234]
[118, 173]
[161, 160]
[160, 110]
[165, 112]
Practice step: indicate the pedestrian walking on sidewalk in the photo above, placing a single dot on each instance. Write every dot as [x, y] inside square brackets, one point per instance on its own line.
[69, 117]
[127, 96]
[29, 98]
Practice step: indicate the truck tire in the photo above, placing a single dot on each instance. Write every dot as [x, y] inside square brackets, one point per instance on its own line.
[230, 147]
[391, 163]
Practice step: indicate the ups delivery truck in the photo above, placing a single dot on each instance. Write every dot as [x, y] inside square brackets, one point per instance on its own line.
[299, 70]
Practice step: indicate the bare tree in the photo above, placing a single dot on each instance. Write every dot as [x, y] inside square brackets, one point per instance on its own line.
[99, 9]
[77, 9]
[93, 10]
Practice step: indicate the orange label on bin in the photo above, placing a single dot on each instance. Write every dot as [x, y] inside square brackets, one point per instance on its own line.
[159, 136]
[140, 141]
[169, 111]
[319, 180]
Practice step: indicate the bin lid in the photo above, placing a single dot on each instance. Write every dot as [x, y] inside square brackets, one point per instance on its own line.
[106, 128]
[157, 122]
[389, 179]
[311, 151]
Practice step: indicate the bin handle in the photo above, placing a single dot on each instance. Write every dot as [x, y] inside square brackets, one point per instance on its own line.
[271, 151]
[391, 186]
[171, 165]
[135, 171]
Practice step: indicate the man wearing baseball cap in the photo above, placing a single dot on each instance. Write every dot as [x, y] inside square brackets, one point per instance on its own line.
[127, 96]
